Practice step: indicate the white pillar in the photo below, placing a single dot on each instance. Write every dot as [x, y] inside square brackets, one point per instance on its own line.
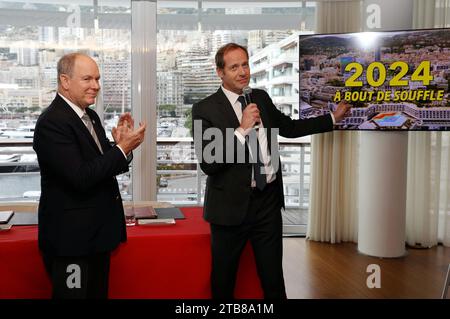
[143, 58]
[382, 196]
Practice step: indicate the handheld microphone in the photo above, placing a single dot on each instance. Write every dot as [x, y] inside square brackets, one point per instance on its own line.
[247, 91]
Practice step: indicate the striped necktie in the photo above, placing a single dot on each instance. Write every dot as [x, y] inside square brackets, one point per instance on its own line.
[260, 178]
[87, 120]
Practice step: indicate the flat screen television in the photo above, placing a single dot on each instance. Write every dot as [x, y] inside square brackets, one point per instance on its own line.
[396, 80]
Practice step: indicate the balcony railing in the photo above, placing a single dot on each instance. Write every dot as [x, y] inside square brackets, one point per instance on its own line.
[179, 178]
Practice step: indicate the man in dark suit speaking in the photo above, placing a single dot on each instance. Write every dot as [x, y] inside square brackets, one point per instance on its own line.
[244, 194]
[81, 217]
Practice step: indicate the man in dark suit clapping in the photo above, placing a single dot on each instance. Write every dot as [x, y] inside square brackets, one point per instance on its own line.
[81, 218]
[243, 199]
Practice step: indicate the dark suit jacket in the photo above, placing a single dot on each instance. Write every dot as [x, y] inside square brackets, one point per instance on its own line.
[228, 187]
[80, 209]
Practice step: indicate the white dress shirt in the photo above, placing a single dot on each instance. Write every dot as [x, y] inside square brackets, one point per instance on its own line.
[262, 137]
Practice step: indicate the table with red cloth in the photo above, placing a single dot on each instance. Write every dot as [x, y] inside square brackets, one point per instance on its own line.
[157, 261]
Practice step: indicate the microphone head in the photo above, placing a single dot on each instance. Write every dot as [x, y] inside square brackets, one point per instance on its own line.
[247, 90]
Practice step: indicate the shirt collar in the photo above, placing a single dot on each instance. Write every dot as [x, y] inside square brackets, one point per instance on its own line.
[231, 96]
[80, 112]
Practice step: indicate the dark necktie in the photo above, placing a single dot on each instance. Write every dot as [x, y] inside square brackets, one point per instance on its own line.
[87, 120]
[260, 178]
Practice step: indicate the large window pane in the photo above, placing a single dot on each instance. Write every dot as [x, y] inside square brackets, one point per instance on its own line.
[189, 34]
[33, 36]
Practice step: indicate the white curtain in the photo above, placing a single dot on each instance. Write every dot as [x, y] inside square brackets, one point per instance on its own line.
[333, 213]
[431, 14]
[338, 16]
[334, 155]
[428, 189]
[333, 196]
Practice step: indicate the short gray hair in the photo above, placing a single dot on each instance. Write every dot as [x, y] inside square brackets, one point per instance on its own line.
[66, 64]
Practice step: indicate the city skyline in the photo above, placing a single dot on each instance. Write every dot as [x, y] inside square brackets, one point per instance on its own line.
[185, 70]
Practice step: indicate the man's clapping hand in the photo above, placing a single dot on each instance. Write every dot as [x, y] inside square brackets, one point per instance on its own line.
[126, 136]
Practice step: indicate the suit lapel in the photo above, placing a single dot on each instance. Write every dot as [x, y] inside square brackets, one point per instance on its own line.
[227, 109]
[257, 98]
[77, 122]
[87, 134]
[262, 109]
[98, 130]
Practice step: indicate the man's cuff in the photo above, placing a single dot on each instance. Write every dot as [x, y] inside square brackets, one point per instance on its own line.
[241, 134]
[332, 118]
[126, 157]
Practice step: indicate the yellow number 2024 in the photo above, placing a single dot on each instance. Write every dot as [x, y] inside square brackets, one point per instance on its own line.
[352, 80]
[371, 72]
[421, 74]
[397, 79]
[424, 68]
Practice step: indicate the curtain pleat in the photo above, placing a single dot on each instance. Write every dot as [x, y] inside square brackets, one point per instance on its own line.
[428, 185]
[334, 155]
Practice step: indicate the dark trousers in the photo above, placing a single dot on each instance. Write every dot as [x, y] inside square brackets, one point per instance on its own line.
[84, 277]
[263, 227]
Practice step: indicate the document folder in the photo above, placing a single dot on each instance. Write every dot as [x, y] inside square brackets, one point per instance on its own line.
[5, 216]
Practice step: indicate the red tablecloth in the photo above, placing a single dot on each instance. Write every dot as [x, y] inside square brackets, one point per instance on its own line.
[172, 261]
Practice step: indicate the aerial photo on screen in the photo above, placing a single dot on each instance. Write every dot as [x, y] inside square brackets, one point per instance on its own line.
[396, 80]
